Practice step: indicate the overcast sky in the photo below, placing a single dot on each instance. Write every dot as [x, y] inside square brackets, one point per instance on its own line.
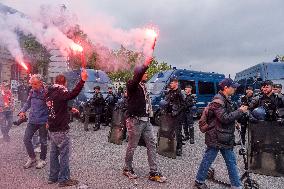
[223, 36]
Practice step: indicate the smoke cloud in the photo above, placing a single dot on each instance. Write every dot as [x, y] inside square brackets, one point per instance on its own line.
[50, 26]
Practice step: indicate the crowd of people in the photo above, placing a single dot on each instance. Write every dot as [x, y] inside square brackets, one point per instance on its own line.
[49, 116]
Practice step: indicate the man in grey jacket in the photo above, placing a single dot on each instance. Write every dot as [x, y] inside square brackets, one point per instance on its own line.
[221, 118]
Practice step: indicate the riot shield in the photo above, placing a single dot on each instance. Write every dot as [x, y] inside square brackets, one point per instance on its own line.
[118, 128]
[167, 143]
[266, 148]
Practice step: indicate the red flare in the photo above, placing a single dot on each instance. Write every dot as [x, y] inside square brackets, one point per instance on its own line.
[76, 47]
[24, 66]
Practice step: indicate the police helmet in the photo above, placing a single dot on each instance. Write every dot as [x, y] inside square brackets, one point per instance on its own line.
[163, 104]
[259, 113]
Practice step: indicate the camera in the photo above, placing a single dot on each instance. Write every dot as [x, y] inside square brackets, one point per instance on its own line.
[20, 121]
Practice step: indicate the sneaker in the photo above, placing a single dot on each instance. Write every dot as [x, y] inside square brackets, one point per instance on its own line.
[96, 128]
[200, 186]
[186, 138]
[130, 174]
[69, 182]
[40, 164]
[52, 181]
[29, 163]
[158, 177]
[37, 149]
[191, 141]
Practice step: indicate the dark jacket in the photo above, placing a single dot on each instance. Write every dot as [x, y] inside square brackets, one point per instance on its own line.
[176, 102]
[57, 100]
[97, 103]
[23, 92]
[222, 117]
[136, 97]
[36, 102]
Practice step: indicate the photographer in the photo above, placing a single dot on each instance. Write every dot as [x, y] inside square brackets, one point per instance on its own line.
[220, 137]
[37, 121]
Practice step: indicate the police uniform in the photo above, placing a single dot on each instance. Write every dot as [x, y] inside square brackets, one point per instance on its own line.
[188, 118]
[110, 101]
[244, 100]
[95, 104]
[175, 101]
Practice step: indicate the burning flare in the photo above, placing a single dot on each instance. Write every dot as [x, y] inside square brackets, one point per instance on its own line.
[76, 47]
[24, 65]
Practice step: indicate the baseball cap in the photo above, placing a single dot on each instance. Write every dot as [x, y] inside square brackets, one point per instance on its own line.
[229, 83]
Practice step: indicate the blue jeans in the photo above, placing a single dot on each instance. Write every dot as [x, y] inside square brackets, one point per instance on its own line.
[6, 118]
[59, 166]
[29, 133]
[230, 160]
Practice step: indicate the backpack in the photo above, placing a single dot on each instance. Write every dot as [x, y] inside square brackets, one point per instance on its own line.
[203, 123]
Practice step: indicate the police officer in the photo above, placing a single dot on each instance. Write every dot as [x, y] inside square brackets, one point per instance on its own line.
[188, 123]
[96, 104]
[110, 101]
[245, 100]
[175, 101]
[23, 93]
[277, 89]
[269, 100]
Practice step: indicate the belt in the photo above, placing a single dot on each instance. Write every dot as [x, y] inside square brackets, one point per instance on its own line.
[142, 118]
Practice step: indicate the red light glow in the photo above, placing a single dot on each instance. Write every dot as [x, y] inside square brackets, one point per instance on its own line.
[76, 47]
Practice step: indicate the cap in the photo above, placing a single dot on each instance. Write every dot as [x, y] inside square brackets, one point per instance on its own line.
[249, 88]
[279, 86]
[188, 86]
[173, 78]
[229, 83]
[97, 87]
[266, 82]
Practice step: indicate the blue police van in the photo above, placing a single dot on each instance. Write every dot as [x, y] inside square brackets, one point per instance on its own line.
[95, 78]
[253, 76]
[204, 85]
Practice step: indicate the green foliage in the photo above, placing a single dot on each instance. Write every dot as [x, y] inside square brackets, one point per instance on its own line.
[156, 67]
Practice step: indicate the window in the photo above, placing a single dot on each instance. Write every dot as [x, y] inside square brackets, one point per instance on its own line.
[206, 87]
[183, 83]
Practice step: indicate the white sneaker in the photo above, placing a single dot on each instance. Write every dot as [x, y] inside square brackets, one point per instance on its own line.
[40, 164]
[29, 163]
[37, 149]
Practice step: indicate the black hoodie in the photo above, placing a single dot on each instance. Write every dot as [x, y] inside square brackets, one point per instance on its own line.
[57, 102]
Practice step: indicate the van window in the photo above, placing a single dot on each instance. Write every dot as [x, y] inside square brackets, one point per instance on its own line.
[183, 83]
[206, 87]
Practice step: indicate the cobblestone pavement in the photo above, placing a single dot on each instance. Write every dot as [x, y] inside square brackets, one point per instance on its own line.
[98, 164]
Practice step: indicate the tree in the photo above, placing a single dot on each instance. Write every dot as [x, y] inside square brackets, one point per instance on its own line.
[36, 54]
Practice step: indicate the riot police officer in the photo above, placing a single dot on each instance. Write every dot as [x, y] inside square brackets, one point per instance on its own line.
[270, 101]
[277, 89]
[175, 101]
[95, 104]
[245, 100]
[110, 101]
[188, 122]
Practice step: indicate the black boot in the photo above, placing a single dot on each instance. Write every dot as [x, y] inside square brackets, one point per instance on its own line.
[191, 134]
[179, 152]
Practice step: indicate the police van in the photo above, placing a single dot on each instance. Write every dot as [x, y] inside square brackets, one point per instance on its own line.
[254, 75]
[95, 78]
[204, 86]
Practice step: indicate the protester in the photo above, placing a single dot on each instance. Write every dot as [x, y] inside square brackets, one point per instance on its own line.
[58, 120]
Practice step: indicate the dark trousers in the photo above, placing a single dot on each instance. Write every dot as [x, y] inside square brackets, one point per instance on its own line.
[188, 125]
[29, 133]
[243, 132]
[6, 122]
